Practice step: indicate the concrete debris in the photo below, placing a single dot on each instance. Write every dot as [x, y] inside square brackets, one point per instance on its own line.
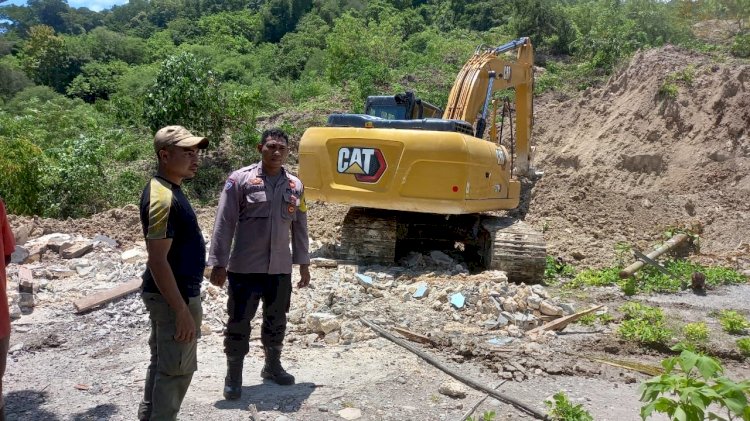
[76, 250]
[103, 239]
[323, 323]
[365, 280]
[422, 291]
[20, 254]
[550, 309]
[441, 258]
[452, 389]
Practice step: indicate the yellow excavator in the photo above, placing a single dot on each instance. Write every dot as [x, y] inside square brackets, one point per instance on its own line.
[418, 182]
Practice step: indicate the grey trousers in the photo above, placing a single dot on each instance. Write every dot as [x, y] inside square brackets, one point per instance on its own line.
[172, 363]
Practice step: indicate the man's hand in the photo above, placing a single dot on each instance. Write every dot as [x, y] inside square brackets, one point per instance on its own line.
[218, 276]
[304, 274]
[185, 326]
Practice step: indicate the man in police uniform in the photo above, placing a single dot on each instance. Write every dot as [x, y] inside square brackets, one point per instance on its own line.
[259, 207]
[172, 280]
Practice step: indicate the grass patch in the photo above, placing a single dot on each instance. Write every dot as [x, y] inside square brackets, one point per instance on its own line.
[733, 322]
[592, 318]
[556, 268]
[643, 324]
[595, 278]
[743, 345]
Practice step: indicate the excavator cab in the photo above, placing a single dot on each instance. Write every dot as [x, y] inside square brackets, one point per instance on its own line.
[404, 106]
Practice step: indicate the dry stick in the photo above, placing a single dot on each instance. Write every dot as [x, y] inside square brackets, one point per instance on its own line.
[474, 408]
[497, 395]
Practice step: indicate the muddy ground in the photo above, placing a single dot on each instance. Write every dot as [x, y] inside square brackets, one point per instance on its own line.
[621, 164]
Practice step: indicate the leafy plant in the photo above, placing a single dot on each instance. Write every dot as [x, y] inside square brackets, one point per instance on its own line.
[594, 277]
[733, 322]
[741, 46]
[486, 416]
[669, 90]
[691, 383]
[643, 324]
[695, 333]
[744, 346]
[556, 267]
[561, 409]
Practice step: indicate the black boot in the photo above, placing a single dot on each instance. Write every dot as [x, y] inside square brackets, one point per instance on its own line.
[273, 370]
[233, 380]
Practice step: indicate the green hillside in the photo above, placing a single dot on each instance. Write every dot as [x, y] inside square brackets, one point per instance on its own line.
[82, 92]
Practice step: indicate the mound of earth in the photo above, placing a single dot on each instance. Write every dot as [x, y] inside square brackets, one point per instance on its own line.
[624, 162]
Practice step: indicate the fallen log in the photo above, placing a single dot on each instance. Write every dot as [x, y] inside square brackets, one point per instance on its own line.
[560, 323]
[668, 245]
[475, 385]
[95, 300]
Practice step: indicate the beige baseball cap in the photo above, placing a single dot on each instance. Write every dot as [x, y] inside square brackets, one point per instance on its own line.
[177, 136]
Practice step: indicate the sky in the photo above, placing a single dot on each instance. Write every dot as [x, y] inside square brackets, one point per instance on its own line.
[95, 5]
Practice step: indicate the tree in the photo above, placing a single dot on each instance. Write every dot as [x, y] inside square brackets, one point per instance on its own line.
[186, 92]
[546, 23]
[281, 16]
[97, 80]
[45, 58]
[12, 79]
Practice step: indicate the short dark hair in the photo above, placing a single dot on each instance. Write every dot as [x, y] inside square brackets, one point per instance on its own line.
[273, 132]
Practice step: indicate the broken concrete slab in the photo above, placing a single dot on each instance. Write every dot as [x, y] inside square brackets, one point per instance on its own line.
[364, 280]
[76, 250]
[21, 234]
[458, 300]
[441, 258]
[19, 256]
[350, 413]
[324, 323]
[550, 309]
[422, 291]
[103, 239]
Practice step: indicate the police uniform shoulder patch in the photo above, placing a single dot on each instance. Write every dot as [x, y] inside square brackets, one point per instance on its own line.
[229, 184]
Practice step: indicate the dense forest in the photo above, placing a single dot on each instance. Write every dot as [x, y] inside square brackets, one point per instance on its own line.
[82, 92]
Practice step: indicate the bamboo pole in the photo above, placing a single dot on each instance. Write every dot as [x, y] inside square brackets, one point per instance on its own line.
[669, 245]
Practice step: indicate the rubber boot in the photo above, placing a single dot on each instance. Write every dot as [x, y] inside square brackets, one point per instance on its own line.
[233, 380]
[273, 370]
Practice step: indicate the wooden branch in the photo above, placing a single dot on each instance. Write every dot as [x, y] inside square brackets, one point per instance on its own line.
[560, 323]
[416, 337]
[94, 300]
[669, 245]
[475, 385]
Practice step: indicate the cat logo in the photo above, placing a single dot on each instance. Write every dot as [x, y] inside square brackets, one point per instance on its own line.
[366, 164]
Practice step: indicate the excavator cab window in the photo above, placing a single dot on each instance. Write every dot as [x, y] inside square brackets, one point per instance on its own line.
[387, 112]
[404, 106]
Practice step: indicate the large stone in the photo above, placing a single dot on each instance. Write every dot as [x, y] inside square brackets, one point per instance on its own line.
[452, 389]
[524, 321]
[540, 291]
[323, 323]
[496, 276]
[76, 250]
[534, 301]
[350, 413]
[22, 233]
[103, 239]
[550, 309]
[134, 255]
[510, 306]
[20, 255]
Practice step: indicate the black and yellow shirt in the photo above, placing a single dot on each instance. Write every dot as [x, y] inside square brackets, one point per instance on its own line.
[166, 213]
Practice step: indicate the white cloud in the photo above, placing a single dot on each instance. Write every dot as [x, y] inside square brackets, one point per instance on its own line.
[96, 5]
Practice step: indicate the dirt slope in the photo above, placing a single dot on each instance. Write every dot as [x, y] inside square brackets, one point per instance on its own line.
[623, 162]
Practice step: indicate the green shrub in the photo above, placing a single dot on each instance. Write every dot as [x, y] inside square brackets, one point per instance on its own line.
[741, 46]
[733, 322]
[691, 384]
[595, 277]
[643, 324]
[557, 268]
[743, 344]
[20, 165]
[669, 90]
[561, 409]
[695, 333]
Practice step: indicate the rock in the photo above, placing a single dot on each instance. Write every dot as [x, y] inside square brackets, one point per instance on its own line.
[21, 235]
[452, 389]
[578, 255]
[441, 258]
[324, 323]
[332, 338]
[19, 255]
[524, 321]
[103, 239]
[414, 260]
[282, 418]
[16, 348]
[350, 413]
[134, 255]
[534, 301]
[496, 276]
[510, 306]
[567, 308]
[550, 309]
[746, 273]
[364, 280]
[540, 291]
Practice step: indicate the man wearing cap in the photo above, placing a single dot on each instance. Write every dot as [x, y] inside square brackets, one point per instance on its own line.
[258, 209]
[172, 279]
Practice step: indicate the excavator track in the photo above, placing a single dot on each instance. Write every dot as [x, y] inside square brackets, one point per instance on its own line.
[514, 247]
[373, 236]
[368, 236]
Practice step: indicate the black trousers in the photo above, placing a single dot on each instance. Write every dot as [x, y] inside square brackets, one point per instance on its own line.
[246, 290]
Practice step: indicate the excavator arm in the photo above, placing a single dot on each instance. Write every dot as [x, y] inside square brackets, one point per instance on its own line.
[487, 72]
